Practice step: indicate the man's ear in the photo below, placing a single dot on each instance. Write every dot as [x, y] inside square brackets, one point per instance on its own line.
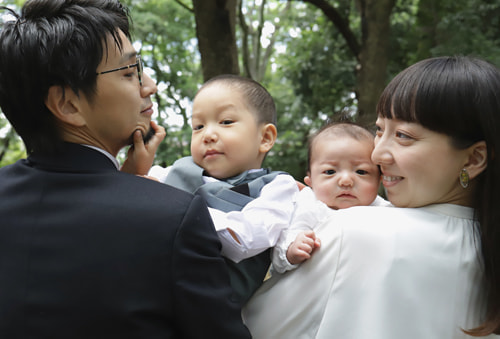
[269, 135]
[65, 105]
[477, 159]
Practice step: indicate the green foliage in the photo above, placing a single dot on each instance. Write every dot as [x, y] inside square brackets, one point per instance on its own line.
[313, 79]
[11, 146]
[405, 38]
[16, 3]
[428, 28]
[310, 72]
[470, 27]
[165, 31]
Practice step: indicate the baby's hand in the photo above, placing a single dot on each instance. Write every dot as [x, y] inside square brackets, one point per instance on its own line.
[302, 248]
[140, 156]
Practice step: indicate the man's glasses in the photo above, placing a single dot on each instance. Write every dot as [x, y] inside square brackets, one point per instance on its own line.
[138, 64]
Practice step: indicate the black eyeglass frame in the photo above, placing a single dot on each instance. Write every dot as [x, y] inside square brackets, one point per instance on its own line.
[138, 64]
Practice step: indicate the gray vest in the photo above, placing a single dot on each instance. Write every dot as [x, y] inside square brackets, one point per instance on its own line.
[232, 194]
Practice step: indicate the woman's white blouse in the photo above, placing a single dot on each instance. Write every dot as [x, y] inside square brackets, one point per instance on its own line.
[381, 273]
[309, 212]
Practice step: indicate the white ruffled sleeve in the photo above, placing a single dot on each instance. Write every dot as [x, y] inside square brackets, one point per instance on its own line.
[259, 224]
[309, 212]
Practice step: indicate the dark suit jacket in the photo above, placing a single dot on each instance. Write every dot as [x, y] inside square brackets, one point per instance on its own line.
[89, 252]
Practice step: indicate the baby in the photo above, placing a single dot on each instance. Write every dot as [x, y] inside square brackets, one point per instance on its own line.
[340, 174]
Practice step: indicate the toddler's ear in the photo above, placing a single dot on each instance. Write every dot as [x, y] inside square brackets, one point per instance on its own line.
[269, 135]
[307, 180]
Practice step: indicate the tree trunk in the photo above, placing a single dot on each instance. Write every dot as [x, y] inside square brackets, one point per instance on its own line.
[255, 57]
[373, 57]
[429, 15]
[372, 53]
[215, 30]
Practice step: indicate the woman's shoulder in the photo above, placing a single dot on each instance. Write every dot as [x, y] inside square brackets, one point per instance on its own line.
[386, 236]
[384, 222]
[384, 209]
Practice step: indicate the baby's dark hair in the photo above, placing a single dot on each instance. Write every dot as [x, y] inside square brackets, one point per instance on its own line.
[340, 129]
[258, 98]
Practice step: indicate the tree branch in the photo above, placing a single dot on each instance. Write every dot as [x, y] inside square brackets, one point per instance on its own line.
[342, 25]
[185, 6]
[245, 34]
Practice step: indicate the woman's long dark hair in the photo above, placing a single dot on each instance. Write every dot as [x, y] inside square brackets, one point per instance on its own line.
[460, 97]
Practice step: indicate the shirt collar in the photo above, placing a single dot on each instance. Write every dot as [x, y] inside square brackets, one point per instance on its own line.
[112, 158]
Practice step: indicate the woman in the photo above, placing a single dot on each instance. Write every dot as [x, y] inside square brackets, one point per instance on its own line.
[430, 266]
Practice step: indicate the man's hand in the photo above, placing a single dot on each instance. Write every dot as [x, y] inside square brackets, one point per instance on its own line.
[140, 156]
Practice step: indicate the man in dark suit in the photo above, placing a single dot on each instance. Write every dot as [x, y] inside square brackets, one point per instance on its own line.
[87, 251]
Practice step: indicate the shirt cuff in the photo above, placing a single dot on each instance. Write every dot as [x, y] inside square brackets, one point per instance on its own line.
[230, 247]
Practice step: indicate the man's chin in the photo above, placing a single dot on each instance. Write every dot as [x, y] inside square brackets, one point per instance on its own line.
[150, 133]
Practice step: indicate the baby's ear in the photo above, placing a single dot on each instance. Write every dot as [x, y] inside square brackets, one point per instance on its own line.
[64, 105]
[307, 180]
[269, 134]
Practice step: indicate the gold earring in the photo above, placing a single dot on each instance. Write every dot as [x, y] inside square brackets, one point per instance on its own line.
[464, 178]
